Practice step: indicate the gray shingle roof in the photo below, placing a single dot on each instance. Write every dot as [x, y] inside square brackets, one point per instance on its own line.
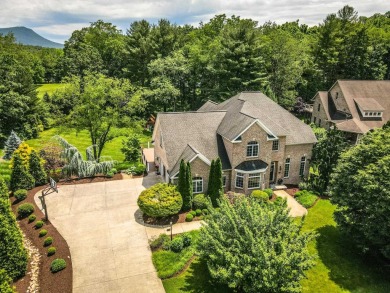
[190, 130]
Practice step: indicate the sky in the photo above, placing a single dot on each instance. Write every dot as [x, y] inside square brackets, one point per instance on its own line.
[57, 19]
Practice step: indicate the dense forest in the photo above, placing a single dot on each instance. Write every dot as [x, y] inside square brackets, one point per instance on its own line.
[175, 68]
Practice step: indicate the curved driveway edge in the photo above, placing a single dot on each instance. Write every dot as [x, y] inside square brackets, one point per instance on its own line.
[109, 249]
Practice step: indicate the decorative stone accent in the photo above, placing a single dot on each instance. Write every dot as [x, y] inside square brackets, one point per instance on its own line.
[34, 257]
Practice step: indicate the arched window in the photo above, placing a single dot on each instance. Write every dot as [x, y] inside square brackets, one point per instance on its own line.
[252, 149]
[197, 184]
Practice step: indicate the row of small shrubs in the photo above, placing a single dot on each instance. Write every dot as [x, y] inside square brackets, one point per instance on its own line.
[306, 198]
[265, 194]
[176, 245]
[197, 213]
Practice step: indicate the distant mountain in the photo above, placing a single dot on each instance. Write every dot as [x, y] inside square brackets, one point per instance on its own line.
[27, 36]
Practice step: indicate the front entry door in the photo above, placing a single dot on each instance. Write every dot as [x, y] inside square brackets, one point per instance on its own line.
[272, 172]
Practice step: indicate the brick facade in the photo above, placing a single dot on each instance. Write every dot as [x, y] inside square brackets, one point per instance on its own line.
[319, 117]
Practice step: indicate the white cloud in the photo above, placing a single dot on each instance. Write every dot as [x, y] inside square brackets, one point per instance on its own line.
[58, 18]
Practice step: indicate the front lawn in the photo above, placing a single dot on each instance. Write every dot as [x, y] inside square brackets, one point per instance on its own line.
[339, 267]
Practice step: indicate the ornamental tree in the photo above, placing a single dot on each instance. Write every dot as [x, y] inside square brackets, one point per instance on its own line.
[11, 144]
[183, 187]
[360, 187]
[131, 147]
[36, 169]
[215, 187]
[253, 246]
[20, 177]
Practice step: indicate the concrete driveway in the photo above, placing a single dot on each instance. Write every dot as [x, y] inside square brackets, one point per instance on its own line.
[109, 249]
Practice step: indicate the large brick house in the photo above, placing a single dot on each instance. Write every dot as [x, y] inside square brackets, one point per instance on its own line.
[353, 106]
[258, 142]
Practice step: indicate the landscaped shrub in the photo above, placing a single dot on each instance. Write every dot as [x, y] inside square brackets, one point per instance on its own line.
[138, 169]
[177, 244]
[38, 224]
[160, 200]
[42, 233]
[269, 191]
[166, 244]
[5, 283]
[20, 194]
[113, 170]
[186, 240]
[31, 218]
[57, 265]
[131, 147]
[110, 174]
[159, 241]
[304, 185]
[198, 212]
[36, 169]
[51, 250]
[189, 217]
[20, 178]
[12, 143]
[48, 241]
[306, 198]
[193, 213]
[25, 210]
[259, 194]
[205, 211]
[200, 201]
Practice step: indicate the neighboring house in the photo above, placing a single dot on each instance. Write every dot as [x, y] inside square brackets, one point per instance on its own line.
[258, 142]
[353, 106]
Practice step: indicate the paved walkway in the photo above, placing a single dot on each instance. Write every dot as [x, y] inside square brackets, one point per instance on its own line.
[109, 249]
[296, 209]
[176, 229]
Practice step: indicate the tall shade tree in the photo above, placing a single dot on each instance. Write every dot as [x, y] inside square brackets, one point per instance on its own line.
[255, 247]
[360, 187]
[102, 103]
[325, 155]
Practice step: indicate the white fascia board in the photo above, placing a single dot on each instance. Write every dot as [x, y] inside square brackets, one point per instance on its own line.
[265, 128]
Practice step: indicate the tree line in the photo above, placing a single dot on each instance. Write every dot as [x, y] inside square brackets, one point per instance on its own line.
[178, 67]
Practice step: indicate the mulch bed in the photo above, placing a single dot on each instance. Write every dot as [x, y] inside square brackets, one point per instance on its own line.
[61, 281]
[49, 282]
[179, 218]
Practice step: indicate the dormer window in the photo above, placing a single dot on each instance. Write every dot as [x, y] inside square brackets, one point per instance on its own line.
[252, 149]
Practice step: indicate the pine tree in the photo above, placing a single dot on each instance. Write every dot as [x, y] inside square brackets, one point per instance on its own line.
[182, 186]
[20, 178]
[189, 183]
[36, 169]
[11, 145]
[210, 188]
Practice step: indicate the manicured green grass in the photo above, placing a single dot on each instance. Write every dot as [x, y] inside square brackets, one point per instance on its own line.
[81, 140]
[338, 265]
[168, 263]
[49, 88]
[306, 198]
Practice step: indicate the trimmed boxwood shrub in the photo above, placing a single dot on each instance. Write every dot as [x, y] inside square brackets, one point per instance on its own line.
[31, 218]
[20, 194]
[160, 200]
[189, 217]
[5, 283]
[57, 265]
[205, 211]
[193, 213]
[114, 170]
[38, 224]
[186, 240]
[25, 210]
[51, 250]
[159, 241]
[200, 201]
[198, 212]
[259, 194]
[48, 241]
[110, 174]
[177, 244]
[42, 233]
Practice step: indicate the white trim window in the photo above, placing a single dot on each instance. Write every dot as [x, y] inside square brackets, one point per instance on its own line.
[287, 168]
[275, 145]
[252, 149]
[302, 166]
[224, 180]
[239, 180]
[254, 180]
[197, 185]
